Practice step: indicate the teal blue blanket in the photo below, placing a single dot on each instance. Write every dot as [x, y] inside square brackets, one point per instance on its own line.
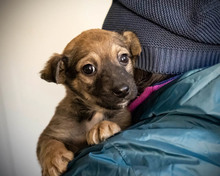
[177, 133]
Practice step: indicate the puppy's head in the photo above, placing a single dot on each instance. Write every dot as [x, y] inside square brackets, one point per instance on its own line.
[97, 65]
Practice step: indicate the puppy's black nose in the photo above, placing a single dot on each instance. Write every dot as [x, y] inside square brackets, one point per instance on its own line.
[121, 91]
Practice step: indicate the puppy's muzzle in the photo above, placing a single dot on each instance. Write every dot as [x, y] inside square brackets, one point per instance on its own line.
[121, 91]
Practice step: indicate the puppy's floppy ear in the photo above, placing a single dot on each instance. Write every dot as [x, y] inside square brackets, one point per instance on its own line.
[55, 69]
[133, 42]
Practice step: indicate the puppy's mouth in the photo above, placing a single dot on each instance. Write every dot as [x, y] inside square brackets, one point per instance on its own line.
[118, 106]
[113, 102]
[122, 105]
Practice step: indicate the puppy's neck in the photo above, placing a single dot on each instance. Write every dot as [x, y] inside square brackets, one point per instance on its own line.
[76, 107]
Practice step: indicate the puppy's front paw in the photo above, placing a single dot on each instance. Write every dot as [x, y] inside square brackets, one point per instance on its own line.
[56, 161]
[101, 132]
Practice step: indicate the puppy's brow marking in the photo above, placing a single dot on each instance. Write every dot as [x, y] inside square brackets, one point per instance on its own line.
[91, 58]
[116, 49]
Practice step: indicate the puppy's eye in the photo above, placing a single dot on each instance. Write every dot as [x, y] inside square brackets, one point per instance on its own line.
[88, 69]
[124, 59]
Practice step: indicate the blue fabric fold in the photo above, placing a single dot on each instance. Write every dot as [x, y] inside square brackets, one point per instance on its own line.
[177, 133]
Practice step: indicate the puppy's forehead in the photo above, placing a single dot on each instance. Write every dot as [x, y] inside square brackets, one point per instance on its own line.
[95, 40]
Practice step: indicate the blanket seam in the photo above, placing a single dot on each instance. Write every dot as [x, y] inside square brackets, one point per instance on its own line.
[123, 157]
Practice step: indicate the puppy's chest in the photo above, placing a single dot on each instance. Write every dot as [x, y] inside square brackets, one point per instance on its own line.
[96, 118]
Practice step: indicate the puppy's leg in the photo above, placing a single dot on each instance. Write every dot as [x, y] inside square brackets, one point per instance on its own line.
[53, 157]
[101, 132]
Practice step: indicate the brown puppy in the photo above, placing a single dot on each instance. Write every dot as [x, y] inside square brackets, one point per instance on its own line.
[96, 69]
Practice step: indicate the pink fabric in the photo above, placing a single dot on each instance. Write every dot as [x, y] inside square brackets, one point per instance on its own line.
[147, 92]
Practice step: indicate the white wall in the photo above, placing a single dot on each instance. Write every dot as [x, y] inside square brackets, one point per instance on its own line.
[30, 32]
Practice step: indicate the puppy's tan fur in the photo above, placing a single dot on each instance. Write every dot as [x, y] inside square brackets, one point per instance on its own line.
[94, 107]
